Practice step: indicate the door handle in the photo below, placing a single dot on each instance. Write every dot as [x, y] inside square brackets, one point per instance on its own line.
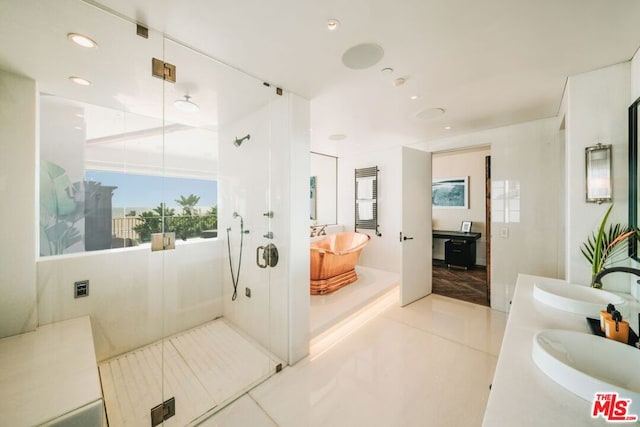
[404, 237]
[269, 255]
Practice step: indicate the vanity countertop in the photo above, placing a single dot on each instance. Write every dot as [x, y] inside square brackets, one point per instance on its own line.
[522, 394]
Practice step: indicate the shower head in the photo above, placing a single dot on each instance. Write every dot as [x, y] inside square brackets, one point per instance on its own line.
[237, 215]
[239, 141]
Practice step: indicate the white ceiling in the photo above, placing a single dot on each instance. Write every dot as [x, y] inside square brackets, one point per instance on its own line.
[487, 63]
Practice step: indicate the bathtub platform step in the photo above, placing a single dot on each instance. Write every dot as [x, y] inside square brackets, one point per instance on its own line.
[326, 286]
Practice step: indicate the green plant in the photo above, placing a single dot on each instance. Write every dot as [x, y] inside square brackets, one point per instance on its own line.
[607, 245]
[61, 207]
[189, 224]
[150, 223]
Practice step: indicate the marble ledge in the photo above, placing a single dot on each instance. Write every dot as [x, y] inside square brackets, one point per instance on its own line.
[50, 375]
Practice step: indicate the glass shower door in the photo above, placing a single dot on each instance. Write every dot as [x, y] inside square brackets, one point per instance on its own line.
[217, 301]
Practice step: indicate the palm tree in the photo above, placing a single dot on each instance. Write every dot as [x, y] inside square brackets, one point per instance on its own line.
[188, 203]
[162, 209]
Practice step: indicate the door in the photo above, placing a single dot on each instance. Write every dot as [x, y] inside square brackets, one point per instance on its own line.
[416, 236]
[487, 169]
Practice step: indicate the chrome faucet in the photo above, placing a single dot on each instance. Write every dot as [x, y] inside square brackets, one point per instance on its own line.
[313, 231]
[597, 279]
[323, 231]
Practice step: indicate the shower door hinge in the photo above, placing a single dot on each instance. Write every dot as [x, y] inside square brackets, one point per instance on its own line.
[142, 31]
[163, 70]
[163, 411]
[163, 241]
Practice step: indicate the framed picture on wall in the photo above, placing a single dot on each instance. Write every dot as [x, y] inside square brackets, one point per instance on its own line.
[465, 227]
[450, 193]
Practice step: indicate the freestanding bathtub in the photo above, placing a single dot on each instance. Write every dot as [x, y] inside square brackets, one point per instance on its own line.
[333, 261]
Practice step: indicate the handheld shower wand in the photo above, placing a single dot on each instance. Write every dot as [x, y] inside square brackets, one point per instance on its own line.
[235, 277]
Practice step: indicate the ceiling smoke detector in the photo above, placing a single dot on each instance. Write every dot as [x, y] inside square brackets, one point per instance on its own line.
[429, 113]
[362, 56]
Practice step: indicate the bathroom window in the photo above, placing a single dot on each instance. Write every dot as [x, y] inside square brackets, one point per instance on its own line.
[109, 179]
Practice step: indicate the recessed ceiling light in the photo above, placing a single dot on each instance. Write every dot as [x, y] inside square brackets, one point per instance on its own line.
[185, 105]
[414, 97]
[447, 127]
[77, 127]
[362, 56]
[80, 81]
[387, 70]
[399, 81]
[337, 137]
[429, 113]
[332, 24]
[82, 40]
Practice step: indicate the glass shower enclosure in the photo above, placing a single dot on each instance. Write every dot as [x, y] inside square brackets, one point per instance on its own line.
[155, 209]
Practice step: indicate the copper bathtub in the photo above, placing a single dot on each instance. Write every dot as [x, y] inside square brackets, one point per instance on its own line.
[333, 261]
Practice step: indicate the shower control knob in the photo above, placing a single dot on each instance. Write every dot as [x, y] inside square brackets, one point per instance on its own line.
[268, 214]
[269, 235]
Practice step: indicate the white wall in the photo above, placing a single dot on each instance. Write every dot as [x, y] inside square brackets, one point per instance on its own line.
[274, 177]
[18, 118]
[469, 163]
[382, 252]
[596, 111]
[635, 77]
[526, 153]
[135, 296]
[297, 280]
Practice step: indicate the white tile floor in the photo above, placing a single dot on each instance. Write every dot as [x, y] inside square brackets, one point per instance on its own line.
[428, 364]
[204, 367]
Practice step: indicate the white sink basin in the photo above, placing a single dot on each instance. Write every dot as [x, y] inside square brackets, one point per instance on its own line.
[577, 298]
[587, 364]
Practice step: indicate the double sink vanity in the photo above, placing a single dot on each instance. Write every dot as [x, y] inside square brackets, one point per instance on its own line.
[551, 365]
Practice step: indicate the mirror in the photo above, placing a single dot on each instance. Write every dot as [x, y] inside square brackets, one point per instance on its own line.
[633, 178]
[323, 183]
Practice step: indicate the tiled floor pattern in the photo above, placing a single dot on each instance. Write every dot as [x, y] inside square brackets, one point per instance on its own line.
[202, 368]
[427, 364]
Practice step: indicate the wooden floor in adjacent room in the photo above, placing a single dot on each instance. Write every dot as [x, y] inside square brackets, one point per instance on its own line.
[455, 282]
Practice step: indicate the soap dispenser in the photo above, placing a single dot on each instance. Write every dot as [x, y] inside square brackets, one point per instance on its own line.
[606, 314]
[616, 328]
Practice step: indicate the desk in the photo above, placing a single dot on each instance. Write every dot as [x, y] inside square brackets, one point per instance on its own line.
[460, 249]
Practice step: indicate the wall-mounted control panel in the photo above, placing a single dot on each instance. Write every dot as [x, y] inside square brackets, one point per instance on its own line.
[81, 289]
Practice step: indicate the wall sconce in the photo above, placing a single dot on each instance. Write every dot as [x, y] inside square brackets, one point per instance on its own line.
[598, 166]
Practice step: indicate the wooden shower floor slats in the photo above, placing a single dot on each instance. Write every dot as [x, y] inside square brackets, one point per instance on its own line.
[202, 368]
